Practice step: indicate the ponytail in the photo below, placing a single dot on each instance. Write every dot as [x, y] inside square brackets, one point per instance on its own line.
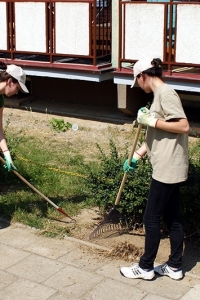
[156, 70]
[3, 66]
[4, 76]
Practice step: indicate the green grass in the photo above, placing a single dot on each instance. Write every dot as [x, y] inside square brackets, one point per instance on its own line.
[60, 169]
[56, 171]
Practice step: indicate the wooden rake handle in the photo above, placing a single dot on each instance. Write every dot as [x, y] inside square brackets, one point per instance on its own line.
[129, 161]
[38, 192]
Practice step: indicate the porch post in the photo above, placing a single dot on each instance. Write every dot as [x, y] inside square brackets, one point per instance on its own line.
[130, 100]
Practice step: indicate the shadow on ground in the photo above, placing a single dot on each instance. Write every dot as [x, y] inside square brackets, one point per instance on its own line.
[191, 256]
[4, 223]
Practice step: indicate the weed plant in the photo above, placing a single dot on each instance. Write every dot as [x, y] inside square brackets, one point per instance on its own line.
[60, 125]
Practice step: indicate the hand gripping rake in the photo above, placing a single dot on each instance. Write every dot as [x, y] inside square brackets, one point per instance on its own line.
[38, 192]
[114, 219]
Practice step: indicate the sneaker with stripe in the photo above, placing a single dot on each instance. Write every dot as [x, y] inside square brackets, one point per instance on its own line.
[134, 271]
[164, 269]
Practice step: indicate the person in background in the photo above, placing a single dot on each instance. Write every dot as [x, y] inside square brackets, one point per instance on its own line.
[167, 147]
[12, 80]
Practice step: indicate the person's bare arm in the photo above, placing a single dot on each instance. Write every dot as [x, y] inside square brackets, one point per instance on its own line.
[3, 144]
[174, 126]
[142, 150]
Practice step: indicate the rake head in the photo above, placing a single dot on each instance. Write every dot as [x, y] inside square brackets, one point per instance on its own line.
[114, 221]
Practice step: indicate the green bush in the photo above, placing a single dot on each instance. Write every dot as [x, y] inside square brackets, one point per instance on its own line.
[190, 192]
[104, 185]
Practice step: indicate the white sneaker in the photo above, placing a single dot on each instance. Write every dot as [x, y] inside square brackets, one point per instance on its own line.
[135, 271]
[166, 270]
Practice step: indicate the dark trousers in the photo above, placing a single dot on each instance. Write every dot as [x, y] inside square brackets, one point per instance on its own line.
[163, 200]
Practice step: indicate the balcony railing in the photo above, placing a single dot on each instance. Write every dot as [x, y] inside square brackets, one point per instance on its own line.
[167, 29]
[74, 34]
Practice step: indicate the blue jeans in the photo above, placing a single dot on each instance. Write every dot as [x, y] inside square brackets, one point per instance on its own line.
[163, 200]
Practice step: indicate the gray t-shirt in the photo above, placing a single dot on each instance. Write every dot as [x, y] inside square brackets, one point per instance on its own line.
[168, 152]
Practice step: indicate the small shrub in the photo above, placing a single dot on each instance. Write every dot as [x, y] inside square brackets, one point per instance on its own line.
[104, 184]
[190, 192]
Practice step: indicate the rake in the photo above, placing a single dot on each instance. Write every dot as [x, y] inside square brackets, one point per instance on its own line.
[115, 220]
[39, 193]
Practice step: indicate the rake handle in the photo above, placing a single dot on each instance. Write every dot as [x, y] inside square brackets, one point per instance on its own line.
[37, 191]
[129, 161]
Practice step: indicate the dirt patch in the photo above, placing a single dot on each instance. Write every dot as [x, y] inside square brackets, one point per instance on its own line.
[128, 245]
[88, 221]
[121, 244]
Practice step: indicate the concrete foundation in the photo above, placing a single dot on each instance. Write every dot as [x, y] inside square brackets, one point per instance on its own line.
[75, 91]
[130, 100]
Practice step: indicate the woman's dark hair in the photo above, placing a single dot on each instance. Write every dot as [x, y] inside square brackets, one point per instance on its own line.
[156, 70]
[4, 75]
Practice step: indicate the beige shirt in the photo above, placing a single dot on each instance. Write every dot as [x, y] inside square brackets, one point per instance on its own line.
[168, 152]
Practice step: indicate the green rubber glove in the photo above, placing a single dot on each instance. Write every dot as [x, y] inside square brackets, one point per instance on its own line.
[144, 117]
[9, 163]
[127, 168]
[133, 164]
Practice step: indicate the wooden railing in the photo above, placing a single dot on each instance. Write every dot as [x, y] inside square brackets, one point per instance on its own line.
[167, 29]
[58, 34]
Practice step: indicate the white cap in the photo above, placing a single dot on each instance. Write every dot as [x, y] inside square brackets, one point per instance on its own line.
[141, 66]
[17, 73]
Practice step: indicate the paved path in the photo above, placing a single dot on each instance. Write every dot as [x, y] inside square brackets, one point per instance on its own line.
[33, 267]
